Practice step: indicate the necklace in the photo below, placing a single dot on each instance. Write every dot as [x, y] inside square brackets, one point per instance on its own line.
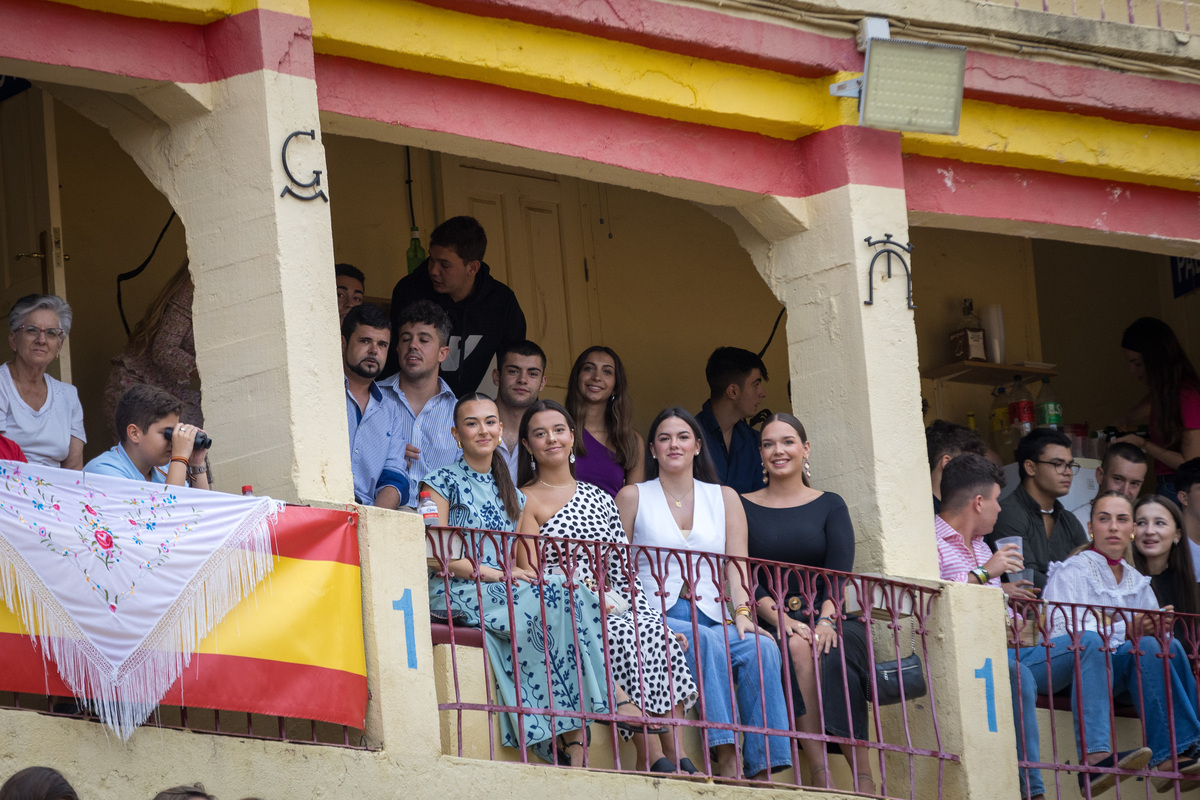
[678, 500]
[558, 486]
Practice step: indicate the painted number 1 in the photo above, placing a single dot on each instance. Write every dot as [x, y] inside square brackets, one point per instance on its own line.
[989, 689]
[405, 604]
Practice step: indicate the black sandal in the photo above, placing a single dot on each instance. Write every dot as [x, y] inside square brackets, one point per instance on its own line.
[637, 727]
[564, 760]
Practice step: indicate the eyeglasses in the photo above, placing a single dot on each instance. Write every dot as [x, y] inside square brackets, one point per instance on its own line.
[1062, 467]
[34, 332]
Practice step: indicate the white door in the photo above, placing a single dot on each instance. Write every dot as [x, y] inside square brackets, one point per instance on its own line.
[31, 253]
[536, 246]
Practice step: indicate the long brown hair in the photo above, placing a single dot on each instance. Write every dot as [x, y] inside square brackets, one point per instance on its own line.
[525, 468]
[499, 470]
[1179, 560]
[795, 424]
[702, 464]
[146, 329]
[618, 413]
[1168, 371]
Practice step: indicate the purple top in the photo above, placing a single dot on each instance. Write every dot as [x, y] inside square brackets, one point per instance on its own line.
[599, 466]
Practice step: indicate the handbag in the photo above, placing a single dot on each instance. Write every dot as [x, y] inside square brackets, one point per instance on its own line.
[889, 675]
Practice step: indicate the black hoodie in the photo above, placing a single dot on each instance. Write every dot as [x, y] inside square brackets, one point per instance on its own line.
[486, 320]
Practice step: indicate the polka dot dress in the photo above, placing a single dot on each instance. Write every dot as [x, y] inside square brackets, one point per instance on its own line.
[661, 679]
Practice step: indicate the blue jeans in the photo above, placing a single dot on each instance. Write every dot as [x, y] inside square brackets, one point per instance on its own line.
[758, 751]
[1151, 701]
[1049, 669]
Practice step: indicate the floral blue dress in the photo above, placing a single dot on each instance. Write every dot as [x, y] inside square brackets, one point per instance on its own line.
[563, 669]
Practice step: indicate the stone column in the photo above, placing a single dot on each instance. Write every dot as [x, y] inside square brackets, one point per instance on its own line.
[265, 315]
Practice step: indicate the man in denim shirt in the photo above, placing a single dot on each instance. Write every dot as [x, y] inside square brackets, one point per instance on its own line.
[735, 383]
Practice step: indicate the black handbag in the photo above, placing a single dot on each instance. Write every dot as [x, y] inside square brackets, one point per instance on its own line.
[889, 675]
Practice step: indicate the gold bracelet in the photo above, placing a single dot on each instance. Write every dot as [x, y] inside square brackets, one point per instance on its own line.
[742, 610]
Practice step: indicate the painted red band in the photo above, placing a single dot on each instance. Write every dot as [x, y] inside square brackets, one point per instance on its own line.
[318, 534]
[53, 33]
[228, 683]
[717, 156]
[962, 189]
[701, 33]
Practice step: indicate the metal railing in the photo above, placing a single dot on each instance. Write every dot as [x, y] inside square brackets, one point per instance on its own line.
[205, 720]
[902, 741]
[1124, 692]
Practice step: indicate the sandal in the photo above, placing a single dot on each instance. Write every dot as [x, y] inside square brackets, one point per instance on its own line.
[663, 765]
[564, 760]
[864, 779]
[686, 765]
[638, 727]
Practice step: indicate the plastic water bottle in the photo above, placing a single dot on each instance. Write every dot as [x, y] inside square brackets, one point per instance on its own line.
[999, 432]
[428, 509]
[416, 253]
[1049, 410]
[1020, 409]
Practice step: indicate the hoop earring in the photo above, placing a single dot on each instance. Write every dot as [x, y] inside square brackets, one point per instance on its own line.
[571, 458]
[807, 470]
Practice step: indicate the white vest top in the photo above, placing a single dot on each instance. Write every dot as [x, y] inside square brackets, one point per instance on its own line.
[702, 567]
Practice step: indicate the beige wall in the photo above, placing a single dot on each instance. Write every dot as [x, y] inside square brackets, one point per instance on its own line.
[111, 217]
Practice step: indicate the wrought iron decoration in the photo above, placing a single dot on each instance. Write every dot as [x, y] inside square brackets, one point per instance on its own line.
[890, 249]
[315, 183]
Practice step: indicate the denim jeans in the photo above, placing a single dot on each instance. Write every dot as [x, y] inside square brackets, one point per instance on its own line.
[1151, 700]
[1049, 669]
[752, 694]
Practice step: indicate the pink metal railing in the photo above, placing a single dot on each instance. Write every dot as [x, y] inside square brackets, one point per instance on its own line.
[904, 749]
[1034, 623]
[206, 720]
[1168, 14]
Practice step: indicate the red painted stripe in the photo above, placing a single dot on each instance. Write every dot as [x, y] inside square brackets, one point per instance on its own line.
[228, 683]
[963, 189]
[53, 33]
[318, 534]
[672, 28]
[638, 142]
[1081, 90]
[701, 33]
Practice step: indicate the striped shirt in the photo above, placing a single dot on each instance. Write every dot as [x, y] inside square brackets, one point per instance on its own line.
[955, 559]
[428, 431]
[376, 448]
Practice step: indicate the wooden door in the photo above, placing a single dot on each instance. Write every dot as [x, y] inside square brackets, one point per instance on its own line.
[536, 246]
[31, 253]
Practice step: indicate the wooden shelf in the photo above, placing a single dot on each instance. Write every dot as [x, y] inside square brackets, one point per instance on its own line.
[985, 373]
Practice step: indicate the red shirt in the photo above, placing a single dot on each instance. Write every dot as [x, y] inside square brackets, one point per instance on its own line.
[10, 450]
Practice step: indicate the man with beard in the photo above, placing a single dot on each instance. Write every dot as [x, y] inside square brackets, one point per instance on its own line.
[426, 402]
[520, 375]
[376, 447]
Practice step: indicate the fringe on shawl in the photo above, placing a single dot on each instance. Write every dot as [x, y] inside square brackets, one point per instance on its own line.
[125, 697]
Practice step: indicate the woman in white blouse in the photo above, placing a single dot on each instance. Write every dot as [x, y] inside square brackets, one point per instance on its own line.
[1101, 577]
[41, 414]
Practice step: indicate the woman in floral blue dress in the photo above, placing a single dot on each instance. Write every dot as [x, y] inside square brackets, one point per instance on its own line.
[560, 668]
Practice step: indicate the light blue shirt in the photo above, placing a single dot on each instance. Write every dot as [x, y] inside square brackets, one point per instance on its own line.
[116, 462]
[376, 445]
[429, 431]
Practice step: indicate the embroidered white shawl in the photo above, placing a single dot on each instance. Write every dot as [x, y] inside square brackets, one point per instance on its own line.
[119, 580]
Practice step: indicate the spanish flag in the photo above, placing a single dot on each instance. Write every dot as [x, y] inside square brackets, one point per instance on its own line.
[291, 648]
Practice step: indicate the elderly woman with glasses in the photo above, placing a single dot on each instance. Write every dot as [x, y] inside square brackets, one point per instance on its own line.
[41, 414]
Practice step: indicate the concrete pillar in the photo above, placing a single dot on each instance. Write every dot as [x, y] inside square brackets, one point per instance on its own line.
[265, 316]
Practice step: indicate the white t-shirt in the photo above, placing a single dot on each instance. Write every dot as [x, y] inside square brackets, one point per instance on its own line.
[45, 433]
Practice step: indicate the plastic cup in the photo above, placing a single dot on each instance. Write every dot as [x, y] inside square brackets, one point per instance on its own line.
[1017, 540]
[1021, 575]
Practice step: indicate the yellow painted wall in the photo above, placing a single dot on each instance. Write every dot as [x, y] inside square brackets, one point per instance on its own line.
[111, 218]
[949, 265]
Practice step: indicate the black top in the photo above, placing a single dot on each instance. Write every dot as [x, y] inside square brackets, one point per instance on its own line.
[1021, 516]
[816, 534]
[483, 322]
[1167, 591]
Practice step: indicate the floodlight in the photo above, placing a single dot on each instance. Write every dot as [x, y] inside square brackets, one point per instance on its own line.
[907, 85]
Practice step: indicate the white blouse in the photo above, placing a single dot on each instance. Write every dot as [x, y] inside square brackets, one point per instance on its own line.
[44, 434]
[655, 527]
[1086, 579]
